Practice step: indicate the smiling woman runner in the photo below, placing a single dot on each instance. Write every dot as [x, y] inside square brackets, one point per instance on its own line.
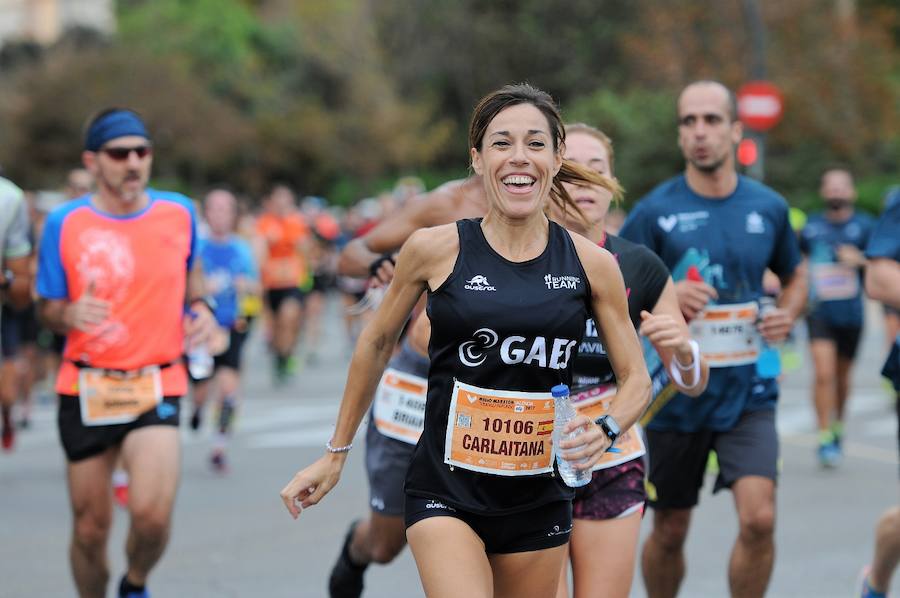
[491, 503]
[608, 510]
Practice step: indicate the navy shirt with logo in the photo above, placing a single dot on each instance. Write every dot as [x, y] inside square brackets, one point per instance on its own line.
[885, 243]
[819, 241]
[730, 241]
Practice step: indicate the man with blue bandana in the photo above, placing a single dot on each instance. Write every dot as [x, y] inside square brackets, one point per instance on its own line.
[117, 276]
[883, 284]
[717, 232]
[833, 243]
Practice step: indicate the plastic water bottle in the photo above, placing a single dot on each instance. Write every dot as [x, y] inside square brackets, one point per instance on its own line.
[200, 363]
[768, 365]
[565, 412]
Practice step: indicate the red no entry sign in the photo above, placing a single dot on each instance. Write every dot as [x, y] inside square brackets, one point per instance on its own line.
[759, 105]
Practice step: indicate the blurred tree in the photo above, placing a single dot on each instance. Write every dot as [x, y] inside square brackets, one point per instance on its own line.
[43, 110]
[641, 125]
[836, 62]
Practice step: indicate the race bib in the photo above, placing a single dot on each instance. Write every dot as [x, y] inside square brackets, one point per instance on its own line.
[399, 408]
[109, 398]
[727, 334]
[593, 403]
[500, 432]
[834, 282]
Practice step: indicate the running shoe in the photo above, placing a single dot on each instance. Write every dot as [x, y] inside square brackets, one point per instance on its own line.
[218, 462]
[712, 463]
[8, 434]
[864, 590]
[837, 431]
[196, 420]
[829, 455]
[120, 493]
[8, 437]
[120, 487]
[126, 590]
[346, 579]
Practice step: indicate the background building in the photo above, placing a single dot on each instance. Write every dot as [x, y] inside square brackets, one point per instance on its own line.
[44, 21]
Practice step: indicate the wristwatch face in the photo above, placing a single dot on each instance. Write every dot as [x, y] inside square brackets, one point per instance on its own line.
[610, 426]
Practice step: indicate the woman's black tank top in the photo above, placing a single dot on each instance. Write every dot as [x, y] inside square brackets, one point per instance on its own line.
[645, 277]
[500, 325]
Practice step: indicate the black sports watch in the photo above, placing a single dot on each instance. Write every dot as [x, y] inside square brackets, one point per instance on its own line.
[610, 427]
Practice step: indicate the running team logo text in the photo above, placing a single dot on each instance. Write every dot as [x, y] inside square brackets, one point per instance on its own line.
[562, 282]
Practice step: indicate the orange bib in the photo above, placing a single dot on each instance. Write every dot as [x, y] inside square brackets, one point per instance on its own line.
[109, 397]
[500, 432]
[595, 402]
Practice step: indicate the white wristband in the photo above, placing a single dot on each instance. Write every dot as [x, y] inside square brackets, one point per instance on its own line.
[675, 368]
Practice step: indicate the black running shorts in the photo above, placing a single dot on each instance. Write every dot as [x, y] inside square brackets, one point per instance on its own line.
[231, 358]
[82, 442]
[275, 297]
[545, 527]
[678, 460]
[846, 338]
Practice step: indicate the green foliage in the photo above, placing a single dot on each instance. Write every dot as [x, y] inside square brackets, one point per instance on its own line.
[338, 97]
[642, 126]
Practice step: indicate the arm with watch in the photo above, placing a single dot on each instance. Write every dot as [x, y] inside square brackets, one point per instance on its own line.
[199, 322]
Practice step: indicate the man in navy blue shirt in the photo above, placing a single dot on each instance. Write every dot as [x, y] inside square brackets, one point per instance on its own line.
[883, 284]
[718, 232]
[833, 242]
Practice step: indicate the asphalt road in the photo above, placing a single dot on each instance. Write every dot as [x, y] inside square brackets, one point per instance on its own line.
[232, 536]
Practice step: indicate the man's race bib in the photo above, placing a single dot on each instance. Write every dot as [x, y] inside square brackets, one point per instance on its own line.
[834, 282]
[108, 397]
[593, 403]
[399, 408]
[727, 334]
[501, 432]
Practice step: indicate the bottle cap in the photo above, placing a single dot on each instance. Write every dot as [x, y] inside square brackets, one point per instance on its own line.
[560, 390]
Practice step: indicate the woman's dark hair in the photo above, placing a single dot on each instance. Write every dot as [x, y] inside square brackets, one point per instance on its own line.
[522, 93]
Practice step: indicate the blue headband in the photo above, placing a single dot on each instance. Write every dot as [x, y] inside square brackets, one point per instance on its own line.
[120, 123]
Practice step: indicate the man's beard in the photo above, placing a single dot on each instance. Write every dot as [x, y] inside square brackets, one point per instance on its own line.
[835, 204]
[708, 168]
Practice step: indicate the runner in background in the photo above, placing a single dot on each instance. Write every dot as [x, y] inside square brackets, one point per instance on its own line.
[282, 247]
[117, 275]
[15, 281]
[323, 264]
[609, 509]
[833, 243]
[22, 364]
[891, 314]
[229, 275]
[883, 284]
[717, 232]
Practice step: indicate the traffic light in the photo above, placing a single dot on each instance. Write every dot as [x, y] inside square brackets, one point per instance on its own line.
[747, 152]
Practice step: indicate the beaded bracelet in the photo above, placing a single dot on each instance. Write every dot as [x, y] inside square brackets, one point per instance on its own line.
[339, 449]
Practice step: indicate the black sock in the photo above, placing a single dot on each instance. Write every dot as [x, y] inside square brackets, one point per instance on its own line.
[346, 553]
[226, 414]
[126, 586]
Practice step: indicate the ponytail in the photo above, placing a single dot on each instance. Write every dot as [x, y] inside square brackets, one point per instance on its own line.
[576, 174]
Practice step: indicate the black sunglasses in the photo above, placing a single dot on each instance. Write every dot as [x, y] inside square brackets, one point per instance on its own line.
[120, 154]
